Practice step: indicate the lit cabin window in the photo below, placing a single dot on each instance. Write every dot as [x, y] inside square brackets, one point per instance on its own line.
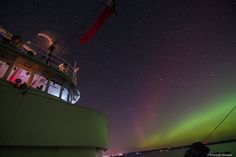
[3, 68]
[64, 95]
[39, 82]
[70, 98]
[75, 96]
[18, 76]
[54, 88]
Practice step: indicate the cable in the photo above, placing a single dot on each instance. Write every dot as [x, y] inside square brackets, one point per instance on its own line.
[82, 26]
[205, 141]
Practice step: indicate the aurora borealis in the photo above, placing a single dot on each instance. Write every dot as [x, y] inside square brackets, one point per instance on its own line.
[163, 72]
[197, 125]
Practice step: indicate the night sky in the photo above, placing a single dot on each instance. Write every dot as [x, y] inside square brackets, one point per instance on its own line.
[163, 72]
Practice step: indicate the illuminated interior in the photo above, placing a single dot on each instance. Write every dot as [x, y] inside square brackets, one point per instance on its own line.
[54, 89]
[39, 82]
[3, 68]
[20, 76]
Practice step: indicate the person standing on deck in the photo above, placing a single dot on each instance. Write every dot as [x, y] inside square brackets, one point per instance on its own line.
[51, 48]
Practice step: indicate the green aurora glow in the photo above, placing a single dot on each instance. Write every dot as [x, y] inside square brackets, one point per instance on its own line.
[197, 126]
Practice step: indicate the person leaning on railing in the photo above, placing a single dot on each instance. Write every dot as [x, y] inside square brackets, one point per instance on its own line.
[63, 67]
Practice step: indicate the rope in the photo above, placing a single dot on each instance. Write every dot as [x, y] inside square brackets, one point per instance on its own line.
[205, 141]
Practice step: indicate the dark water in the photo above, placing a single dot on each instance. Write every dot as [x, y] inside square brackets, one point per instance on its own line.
[223, 150]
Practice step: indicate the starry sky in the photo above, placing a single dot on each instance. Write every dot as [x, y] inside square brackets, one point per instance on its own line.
[163, 72]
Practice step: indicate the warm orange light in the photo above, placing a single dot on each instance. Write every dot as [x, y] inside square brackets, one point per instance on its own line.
[47, 37]
[26, 47]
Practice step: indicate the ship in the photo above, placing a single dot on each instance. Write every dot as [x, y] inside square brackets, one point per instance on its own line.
[39, 113]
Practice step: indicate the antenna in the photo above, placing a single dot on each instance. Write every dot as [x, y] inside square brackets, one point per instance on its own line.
[75, 70]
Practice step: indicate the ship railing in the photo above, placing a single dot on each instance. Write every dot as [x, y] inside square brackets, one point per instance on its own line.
[54, 61]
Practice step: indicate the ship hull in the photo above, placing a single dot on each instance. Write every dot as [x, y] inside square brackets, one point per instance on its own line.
[38, 124]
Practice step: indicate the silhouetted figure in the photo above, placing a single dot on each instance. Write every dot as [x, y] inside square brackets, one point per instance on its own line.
[16, 40]
[40, 87]
[18, 82]
[50, 50]
[197, 149]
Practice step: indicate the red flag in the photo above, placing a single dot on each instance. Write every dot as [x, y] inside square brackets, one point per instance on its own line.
[108, 11]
